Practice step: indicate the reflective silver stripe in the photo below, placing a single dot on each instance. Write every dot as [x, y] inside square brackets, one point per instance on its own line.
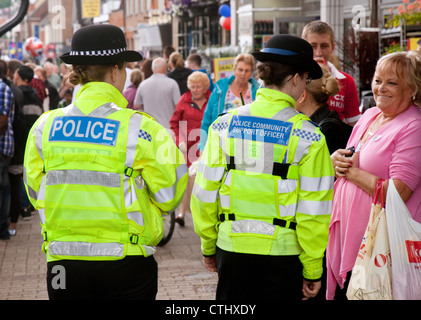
[167, 194]
[244, 110]
[287, 211]
[302, 150]
[285, 114]
[316, 184]
[228, 179]
[38, 134]
[41, 192]
[41, 213]
[204, 195]
[72, 110]
[225, 201]
[140, 183]
[86, 249]
[252, 226]
[105, 110]
[93, 178]
[129, 189]
[287, 186]
[132, 139]
[149, 250]
[263, 164]
[314, 208]
[304, 143]
[32, 193]
[130, 195]
[211, 174]
[136, 217]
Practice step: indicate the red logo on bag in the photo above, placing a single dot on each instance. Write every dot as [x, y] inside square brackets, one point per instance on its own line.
[381, 260]
[414, 251]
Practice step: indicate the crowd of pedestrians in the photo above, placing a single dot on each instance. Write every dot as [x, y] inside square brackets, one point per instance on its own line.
[34, 89]
[183, 98]
[29, 89]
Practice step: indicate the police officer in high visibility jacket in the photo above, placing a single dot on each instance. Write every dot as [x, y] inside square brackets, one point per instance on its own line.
[262, 196]
[100, 176]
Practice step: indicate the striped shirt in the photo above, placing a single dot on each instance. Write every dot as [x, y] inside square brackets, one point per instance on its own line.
[7, 144]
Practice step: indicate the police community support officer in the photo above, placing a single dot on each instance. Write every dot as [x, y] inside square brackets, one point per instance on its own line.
[262, 195]
[100, 176]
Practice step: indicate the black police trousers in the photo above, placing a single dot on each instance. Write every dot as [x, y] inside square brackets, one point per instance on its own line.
[132, 278]
[258, 277]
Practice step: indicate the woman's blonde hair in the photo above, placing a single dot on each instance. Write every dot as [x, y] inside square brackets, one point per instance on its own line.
[323, 88]
[198, 76]
[407, 67]
[83, 74]
[136, 77]
[244, 57]
[176, 60]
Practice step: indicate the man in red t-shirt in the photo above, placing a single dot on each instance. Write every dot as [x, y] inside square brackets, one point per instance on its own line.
[346, 103]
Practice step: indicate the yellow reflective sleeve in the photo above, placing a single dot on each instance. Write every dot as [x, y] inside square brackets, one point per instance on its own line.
[314, 207]
[34, 167]
[204, 200]
[162, 165]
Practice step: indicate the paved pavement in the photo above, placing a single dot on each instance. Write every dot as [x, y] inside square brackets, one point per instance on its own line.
[181, 272]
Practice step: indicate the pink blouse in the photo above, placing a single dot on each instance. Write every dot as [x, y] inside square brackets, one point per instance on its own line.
[394, 152]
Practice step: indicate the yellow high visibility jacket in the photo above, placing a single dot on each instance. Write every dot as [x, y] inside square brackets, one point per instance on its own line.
[101, 176]
[265, 184]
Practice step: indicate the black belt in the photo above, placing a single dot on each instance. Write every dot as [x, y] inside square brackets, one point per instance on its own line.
[277, 222]
[279, 169]
[284, 223]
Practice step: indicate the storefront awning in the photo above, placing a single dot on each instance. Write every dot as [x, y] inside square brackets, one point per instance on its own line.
[150, 38]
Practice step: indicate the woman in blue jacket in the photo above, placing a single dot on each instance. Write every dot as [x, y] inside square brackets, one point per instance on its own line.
[230, 93]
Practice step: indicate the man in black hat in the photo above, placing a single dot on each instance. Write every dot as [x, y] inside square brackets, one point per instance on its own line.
[263, 192]
[100, 177]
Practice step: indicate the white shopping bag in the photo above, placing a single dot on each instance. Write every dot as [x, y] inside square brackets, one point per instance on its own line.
[405, 247]
[371, 275]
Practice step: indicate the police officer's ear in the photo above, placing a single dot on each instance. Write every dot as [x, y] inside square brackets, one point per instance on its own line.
[114, 73]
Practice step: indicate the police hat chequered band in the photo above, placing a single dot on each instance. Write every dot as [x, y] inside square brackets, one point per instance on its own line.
[110, 52]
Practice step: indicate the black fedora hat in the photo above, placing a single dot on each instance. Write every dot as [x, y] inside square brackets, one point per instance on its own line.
[290, 50]
[99, 44]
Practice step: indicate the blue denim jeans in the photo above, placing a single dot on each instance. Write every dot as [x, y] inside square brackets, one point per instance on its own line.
[4, 197]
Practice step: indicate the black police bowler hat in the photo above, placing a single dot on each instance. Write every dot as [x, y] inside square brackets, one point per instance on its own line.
[290, 50]
[99, 44]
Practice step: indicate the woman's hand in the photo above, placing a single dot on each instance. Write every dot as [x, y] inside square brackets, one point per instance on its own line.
[310, 289]
[341, 163]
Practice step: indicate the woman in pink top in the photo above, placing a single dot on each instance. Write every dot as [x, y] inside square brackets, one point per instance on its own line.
[387, 144]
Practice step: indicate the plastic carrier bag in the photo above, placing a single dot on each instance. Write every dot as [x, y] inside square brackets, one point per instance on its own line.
[371, 275]
[405, 247]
